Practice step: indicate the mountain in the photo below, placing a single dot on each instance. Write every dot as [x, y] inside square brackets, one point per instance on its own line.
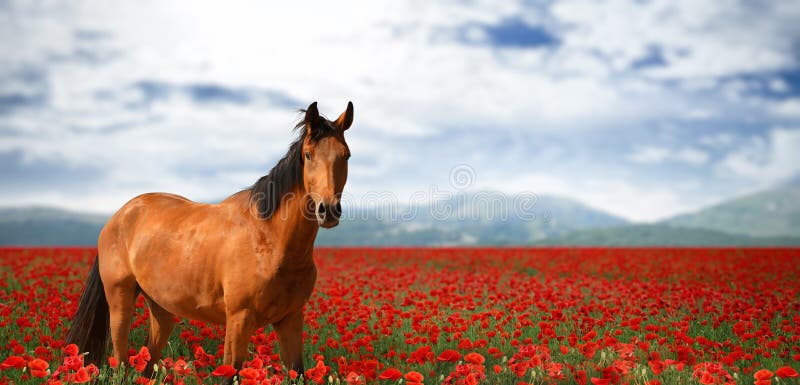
[771, 213]
[486, 218]
[662, 235]
[48, 226]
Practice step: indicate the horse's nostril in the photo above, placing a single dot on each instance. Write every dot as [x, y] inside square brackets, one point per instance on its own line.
[321, 208]
[337, 210]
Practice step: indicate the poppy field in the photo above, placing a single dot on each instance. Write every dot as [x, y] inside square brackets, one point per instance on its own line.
[455, 316]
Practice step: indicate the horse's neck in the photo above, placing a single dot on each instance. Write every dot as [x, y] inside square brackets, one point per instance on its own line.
[288, 232]
[294, 232]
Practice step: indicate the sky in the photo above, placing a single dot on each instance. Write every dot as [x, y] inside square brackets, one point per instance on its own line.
[643, 109]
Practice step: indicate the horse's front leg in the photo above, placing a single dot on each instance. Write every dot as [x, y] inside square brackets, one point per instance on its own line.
[290, 337]
[239, 326]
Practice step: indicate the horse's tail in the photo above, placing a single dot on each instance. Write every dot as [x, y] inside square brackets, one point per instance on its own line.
[90, 325]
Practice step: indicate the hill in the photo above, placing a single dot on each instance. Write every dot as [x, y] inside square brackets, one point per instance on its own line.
[771, 213]
[48, 226]
[662, 235]
[486, 218]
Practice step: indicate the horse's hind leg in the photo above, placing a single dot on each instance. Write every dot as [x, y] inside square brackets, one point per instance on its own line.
[121, 295]
[161, 324]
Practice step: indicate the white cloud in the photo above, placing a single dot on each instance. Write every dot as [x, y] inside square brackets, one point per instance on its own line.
[764, 161]
[719, 140]
[655, 155]
[789, 108]
[779, 86]
[402, 65]
[692, 156]
[650, 155]
[697, 39]
[626, 198]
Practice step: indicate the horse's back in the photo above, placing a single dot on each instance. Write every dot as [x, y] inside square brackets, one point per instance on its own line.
[137, 211]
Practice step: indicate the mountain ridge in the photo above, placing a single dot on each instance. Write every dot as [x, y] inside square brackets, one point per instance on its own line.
[550, 220]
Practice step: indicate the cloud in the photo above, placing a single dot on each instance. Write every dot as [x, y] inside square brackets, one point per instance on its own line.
[509, 33]
[201, 102]
[655, 155]
[696, 39]
[789, 108]
[718, 140]
[764, 161]
[629, 199]
[653, 58]
[650, 155]
[24, 176]
[151, 91]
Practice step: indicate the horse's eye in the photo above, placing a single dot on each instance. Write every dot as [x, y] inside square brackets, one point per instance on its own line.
[347, 156]
[308, 156]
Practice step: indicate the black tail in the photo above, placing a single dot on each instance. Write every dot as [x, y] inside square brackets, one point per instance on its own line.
[90, 327]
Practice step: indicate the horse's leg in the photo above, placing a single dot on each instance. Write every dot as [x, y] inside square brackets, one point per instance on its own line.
[239, 326]
[121, 296]
[161, 324]
[290, 337]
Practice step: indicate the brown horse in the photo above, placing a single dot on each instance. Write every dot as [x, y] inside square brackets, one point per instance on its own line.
[245, 262]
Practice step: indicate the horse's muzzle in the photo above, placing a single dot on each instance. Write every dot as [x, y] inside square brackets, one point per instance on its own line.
[328, 213]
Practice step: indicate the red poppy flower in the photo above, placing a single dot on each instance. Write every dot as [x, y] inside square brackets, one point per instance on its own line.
[580, 377]
[785, 372]
[474, 358]
[656, 366]
[707, 378]
[391, 374]
[80, 377]
[317, 373]
[224, 371]
[600, 381]
[182, 368]
[589, 349]
[71, 350]
[414, 377]
[113, 362]
[92, 369]
[73, 362]
[354, 378]
[144, 353]
[13, 362]
[449, 356]
[762, 374]
[145, 381]
[138, 362]
[38, 368]
[248, 373]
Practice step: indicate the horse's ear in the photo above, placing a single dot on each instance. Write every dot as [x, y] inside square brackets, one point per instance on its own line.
[346, 118]
[312, 114]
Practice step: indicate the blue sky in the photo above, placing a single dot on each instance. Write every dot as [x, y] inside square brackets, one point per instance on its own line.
[644, 109]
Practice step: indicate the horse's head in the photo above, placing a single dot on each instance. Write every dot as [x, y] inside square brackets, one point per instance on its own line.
[325, 155]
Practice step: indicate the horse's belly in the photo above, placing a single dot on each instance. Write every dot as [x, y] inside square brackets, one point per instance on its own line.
[188, 293]
[182, 298]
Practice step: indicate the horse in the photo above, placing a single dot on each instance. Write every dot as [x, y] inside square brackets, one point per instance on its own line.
[245, 262]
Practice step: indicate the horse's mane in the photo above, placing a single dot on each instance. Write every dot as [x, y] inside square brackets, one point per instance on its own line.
[269, 190]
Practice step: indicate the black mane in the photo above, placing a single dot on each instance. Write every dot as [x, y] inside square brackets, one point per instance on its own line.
[269, 190]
